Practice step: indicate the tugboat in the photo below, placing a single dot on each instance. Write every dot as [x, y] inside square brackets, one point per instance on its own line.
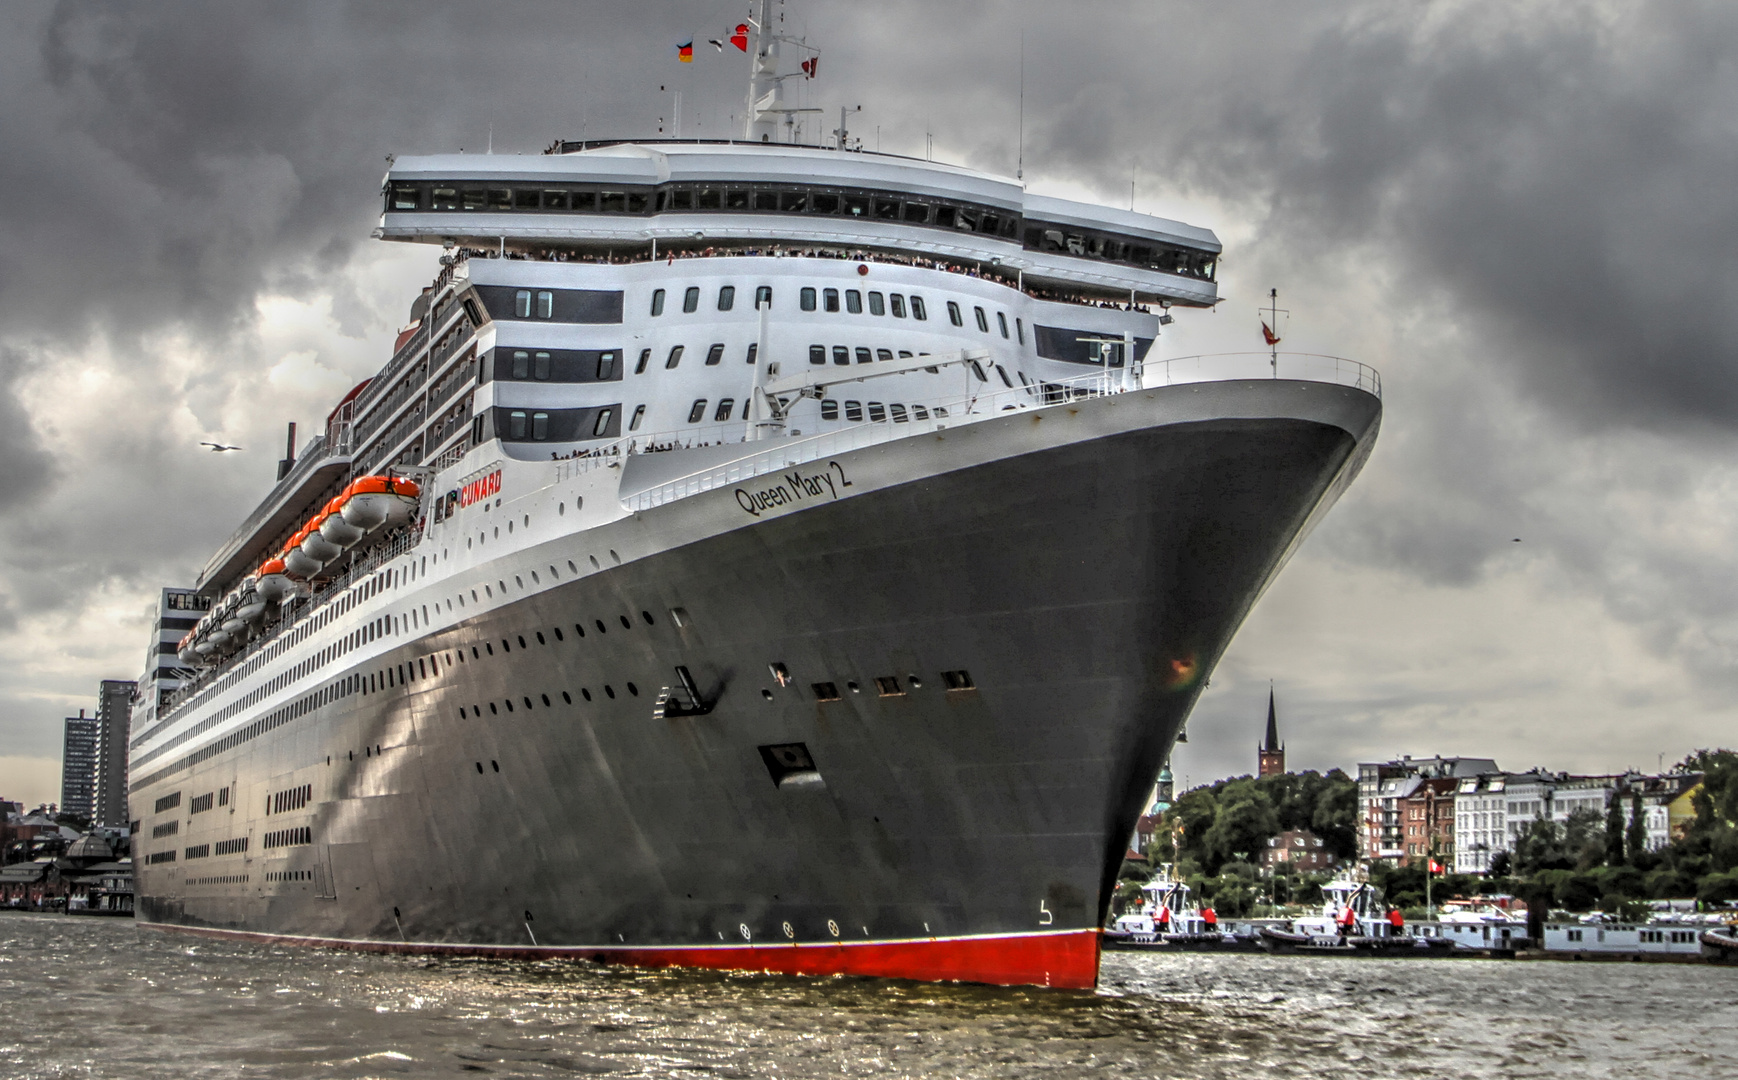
[1168, 920]
[1369, 932]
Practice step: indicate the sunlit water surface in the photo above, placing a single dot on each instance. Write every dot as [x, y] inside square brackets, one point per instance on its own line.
[104, 998]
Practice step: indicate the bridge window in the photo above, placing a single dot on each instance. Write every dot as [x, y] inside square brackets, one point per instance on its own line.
[863, 355]
[691, 300]
[883, 354]
[919, 412]
[853, 302]
[829, 409]
[698, 412]
[516, 425]
[540, 367]
[602, 427]
[898, 413]
[657, 302]
[540, 425]
[405, 196]
[807, 302]
[726, 298]
[545, 304]
[897, 303]
[473, 198]
[715, 354]
[886, 208]
[606, 366]
[766, 200]
[522, 304]
[841, 355]
[877, 304]
[853, 410]
[817, 354]
[916, 213]
[830, 299]
[446, 198]
[707, 199]
[725, 405]
[736, 199]
[877, 412]
[500, 199]
[521, 364]
[555, 200]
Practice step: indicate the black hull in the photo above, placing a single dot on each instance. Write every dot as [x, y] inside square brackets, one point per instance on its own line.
[1087, 588]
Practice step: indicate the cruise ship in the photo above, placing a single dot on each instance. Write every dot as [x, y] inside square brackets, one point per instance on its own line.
[754, 555]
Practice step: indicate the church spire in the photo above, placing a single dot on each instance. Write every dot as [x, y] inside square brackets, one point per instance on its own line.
[1270, 755]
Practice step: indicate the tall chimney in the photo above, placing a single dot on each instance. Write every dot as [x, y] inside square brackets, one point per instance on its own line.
[289, 459]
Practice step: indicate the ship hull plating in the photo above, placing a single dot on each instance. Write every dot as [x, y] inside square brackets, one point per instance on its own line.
[526, 800]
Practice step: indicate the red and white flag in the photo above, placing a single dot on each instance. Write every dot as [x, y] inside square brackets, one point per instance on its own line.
[1268, 335]
[739, 37]
[810, 65]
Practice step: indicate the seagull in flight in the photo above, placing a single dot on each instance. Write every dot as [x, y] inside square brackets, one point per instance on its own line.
[218, 448]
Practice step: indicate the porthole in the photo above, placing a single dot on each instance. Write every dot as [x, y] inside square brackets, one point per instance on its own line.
[584, 693]
[526, 521]
[479, 768]
[522, 641]
[617, 559]
[601, 628]
[509, 703]
[493, 764]
[545, 698]
[506, 646]
[626, 623]
[540, 640]
[595, 565]
[634, 690]
[488, 591]
[492, 710]
[609, 690]
[646, 615]
[578, 629]
[572, 567]
[558, 636]
[509, 527]
[488, 646]
[528, 704]
[565, 698]
[517, 580]
[473, 652]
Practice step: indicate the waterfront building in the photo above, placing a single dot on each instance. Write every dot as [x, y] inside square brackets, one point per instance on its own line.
[114, 713]
[1297, 849]
[1427, 813]
[1668, 805]
[78, 765]
[1480, 822]
[1383, 785]
[1270, 755]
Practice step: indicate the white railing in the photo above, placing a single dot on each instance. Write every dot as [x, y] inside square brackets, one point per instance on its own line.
[1304, 367]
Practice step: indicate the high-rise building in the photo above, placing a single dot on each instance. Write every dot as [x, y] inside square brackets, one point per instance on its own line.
[114, 715]
[1384, 787]
[1270, 755]
[78, 765]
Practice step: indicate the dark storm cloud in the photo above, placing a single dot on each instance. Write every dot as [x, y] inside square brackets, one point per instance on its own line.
[1549, 184]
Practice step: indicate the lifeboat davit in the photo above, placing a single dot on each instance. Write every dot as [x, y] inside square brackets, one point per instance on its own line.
[317, 547]
[338, 531]
[376, 502]
[299, 562]
[273, 586]
[252, 607]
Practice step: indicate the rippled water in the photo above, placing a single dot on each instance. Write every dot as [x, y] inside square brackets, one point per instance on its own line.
[91, 997]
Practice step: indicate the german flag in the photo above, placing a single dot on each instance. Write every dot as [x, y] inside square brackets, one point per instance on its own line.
[685, 52]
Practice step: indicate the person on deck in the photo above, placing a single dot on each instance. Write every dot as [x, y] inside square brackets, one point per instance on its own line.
[1348, 922]
[1164, 918]
[1396, 922]
[1210, 920]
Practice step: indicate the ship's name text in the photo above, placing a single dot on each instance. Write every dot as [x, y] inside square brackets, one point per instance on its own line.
[480, 489]
[794, 488]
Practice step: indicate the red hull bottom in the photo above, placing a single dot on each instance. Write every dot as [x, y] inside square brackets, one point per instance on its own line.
[1064, 960]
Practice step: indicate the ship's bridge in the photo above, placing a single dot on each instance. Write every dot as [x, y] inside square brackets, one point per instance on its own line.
[635, 199]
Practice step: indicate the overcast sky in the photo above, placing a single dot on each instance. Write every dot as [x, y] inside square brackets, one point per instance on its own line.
[1523, 213]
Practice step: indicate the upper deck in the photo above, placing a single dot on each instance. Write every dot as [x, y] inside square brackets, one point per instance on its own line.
[634, 197]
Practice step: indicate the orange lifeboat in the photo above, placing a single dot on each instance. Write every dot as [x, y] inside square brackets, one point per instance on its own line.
[297, 561]
[335, 529]
[380, 502]
[273, 584]
[315, 545]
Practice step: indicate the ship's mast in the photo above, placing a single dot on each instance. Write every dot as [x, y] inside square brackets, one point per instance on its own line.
[766, 100]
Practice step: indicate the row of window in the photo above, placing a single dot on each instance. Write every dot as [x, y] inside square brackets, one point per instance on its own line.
[813, 201]
[169, 801]
[282, 802]
[230, 847]
[167, 828]
[201, 803]
[287, 837]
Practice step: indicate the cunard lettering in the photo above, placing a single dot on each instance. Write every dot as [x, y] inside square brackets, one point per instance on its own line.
[793, 488]
[480, 489]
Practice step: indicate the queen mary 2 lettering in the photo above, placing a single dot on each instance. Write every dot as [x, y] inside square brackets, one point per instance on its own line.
[753, 555]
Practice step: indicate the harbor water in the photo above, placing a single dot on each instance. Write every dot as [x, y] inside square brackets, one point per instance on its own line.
[105, 998]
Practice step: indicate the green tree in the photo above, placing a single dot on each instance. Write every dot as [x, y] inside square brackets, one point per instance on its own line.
[1242, 827]
[1614, 830]
[1635, 835]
